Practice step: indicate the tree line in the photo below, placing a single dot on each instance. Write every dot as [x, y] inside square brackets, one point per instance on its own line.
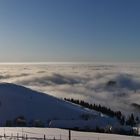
[130, 120]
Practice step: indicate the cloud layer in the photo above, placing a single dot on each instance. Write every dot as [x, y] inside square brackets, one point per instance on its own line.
[113, 85]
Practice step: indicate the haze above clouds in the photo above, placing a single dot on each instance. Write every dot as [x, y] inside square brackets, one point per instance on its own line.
[113, 85]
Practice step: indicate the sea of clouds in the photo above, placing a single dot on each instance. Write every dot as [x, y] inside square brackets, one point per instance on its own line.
[114, 85]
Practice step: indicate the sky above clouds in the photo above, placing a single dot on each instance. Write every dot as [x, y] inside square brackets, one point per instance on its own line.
[69, 30]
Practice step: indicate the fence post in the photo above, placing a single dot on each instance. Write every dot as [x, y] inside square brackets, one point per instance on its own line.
[60, 136]
[69, 134]
[44, 137]
[22, 133]
[4, 135]
[11, 135]
[17, 136]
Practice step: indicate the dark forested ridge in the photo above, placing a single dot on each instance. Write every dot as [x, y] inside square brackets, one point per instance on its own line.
[130, 120]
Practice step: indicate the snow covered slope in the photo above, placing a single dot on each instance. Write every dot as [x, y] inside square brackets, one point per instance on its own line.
[62, 134]
[17, 101]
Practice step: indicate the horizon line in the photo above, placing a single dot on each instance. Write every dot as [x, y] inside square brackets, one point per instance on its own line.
[67, 62]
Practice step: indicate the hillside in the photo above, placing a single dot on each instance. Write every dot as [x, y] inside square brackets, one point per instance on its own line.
[16, 101]
[34, 106]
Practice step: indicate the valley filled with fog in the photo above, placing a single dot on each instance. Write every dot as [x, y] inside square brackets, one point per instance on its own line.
[114, 85]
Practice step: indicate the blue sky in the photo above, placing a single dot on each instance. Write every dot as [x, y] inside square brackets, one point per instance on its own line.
[69, 30]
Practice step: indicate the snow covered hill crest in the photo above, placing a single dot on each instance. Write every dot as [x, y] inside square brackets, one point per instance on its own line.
[22, 106]
[17, 101]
